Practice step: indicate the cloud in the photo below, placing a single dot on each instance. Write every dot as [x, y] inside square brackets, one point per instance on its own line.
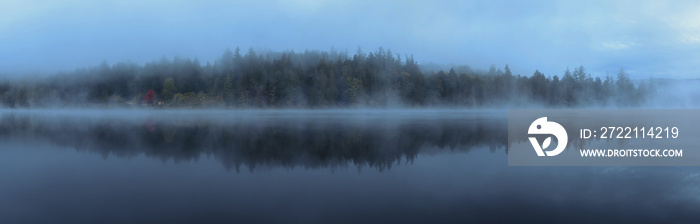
[616, 45]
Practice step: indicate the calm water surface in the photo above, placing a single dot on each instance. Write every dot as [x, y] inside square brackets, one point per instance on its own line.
[308, 166]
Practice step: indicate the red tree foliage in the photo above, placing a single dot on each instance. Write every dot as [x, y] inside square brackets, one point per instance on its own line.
[150, 97]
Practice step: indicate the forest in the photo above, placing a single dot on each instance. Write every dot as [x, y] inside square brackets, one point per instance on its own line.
[316, 79]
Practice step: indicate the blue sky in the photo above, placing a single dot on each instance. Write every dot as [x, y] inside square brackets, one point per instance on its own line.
[656, 38]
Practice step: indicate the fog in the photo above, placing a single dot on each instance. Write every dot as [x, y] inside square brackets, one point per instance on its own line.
[316, 54]
[252, 79]
[333, 111]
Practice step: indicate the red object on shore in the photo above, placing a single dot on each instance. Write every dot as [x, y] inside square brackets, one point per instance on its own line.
[150, 97]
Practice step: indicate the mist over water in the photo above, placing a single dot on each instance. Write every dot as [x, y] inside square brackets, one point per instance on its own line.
[248, 139]
[341, 111]
[410, 166]
[306, 138]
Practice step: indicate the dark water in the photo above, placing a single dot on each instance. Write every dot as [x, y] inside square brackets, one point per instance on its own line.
[309, 167]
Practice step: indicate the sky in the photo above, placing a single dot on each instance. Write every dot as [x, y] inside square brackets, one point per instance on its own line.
[646, 38]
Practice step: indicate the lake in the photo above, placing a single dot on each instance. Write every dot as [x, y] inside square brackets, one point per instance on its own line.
[308, 166]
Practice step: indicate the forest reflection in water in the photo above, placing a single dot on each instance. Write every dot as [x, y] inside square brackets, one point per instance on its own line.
[239, 139]
[453, 168]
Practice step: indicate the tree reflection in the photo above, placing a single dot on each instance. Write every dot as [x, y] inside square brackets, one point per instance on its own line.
[309, 142]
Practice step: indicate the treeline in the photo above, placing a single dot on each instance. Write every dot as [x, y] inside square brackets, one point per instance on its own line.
[316, 79]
